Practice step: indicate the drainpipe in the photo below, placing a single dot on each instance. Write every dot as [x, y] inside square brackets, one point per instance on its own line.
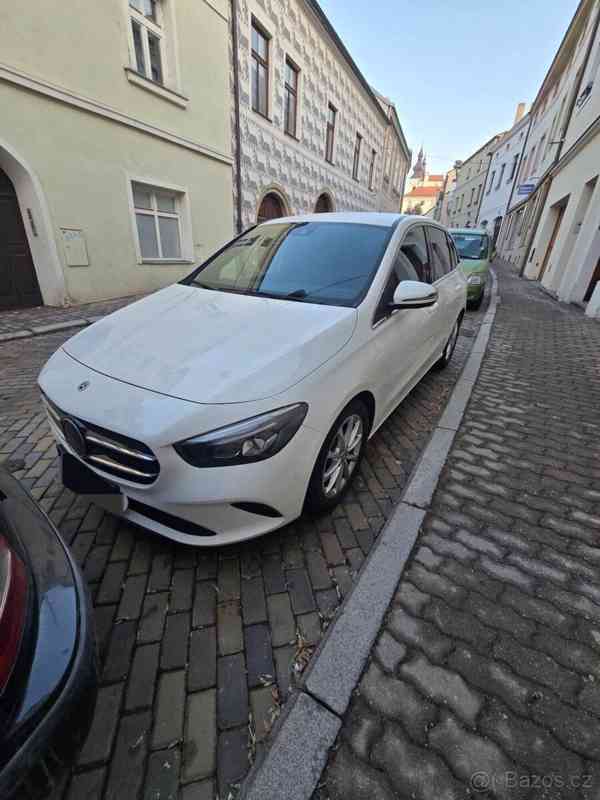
[236, 107]
[561, 144]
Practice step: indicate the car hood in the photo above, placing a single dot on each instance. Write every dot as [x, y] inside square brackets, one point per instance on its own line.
[471, 266]
[213, 347]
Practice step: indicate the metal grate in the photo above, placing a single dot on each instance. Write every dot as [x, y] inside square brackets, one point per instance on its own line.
[110, 452]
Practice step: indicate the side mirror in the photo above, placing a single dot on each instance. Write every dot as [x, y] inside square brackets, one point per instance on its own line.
[414, 294]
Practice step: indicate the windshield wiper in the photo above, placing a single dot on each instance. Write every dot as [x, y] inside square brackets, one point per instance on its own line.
[298, 294]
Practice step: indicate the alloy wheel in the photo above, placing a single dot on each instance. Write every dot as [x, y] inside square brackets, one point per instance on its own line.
[343, 455]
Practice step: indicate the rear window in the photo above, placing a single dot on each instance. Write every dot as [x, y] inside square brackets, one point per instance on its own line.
[471, 245]
[331, 263]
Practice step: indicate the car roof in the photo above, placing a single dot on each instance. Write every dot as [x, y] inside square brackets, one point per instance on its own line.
[384, 220]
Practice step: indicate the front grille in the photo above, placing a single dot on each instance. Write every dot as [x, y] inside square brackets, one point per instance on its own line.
[110, 452]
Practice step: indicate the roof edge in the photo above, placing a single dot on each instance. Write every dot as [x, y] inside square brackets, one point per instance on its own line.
[330, 30]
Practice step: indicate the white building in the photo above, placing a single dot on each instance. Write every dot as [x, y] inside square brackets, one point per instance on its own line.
[471, 177]
[565, 250]
[556, 105]
[502, 176]
[309, 133]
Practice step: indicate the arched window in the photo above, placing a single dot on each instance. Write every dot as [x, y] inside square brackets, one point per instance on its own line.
[324, 204]
[271, 207]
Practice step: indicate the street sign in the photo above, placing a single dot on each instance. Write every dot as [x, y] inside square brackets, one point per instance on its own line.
[525, 188]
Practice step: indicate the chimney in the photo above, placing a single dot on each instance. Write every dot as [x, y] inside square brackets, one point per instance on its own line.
[520, 112]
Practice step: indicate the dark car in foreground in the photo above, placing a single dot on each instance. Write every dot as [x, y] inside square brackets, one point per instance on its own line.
[48, 671]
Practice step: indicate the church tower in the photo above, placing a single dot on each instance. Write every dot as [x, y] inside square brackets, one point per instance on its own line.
[418, 173]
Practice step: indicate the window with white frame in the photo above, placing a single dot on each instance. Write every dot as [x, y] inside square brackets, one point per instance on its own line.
[158, 222]
[147, 31]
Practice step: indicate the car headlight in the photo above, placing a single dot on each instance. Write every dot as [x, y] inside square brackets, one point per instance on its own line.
[243, 442]
[474, 280]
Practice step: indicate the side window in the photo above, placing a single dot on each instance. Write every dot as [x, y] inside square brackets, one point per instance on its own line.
[414, 248]
[411, 264]
[440, 253]
[453, 254]
[403, 270]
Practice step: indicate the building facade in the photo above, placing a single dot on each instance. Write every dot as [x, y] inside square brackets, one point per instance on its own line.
[115, 151]
[445, 199]
[471, 178]
[504, 167]
[396, 161]
[551, 113]
[565, 248]
[422, 189]
[309, 133]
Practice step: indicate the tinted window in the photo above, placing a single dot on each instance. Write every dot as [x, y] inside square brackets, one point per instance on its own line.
[402, 270]
[440, 253]
[414, 247]
[330, 263]
[471, 245]
[453, 253]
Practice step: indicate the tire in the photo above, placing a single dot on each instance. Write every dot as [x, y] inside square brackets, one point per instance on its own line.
[476, 304]
[320, 499]
[446, 357]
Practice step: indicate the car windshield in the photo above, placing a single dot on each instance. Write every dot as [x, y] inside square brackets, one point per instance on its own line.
[330, 263]
[471, 245]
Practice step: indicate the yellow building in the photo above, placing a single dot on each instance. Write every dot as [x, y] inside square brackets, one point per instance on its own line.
[115, 148]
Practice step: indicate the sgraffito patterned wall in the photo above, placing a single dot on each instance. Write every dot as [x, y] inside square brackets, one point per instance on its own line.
[297, 169]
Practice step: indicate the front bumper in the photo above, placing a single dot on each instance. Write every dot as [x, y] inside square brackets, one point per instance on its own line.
[57, 689]
[475, 291]
[207, 498]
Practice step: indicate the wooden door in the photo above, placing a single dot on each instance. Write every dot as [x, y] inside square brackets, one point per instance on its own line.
[19, 286]
[270, 208]
[559, 215]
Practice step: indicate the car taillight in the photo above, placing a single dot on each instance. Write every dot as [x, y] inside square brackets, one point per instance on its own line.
[13, 609]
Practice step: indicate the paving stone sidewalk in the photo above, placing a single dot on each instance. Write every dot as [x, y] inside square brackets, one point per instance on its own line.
[27, 321]
[485, 678]
[200, 648]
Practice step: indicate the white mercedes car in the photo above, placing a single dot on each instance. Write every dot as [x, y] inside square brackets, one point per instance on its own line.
[221, 407]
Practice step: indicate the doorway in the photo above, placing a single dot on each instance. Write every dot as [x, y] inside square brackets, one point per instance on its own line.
[559, 212]
[324, 204]
[271, 207]
[594, 281]
[19, 286]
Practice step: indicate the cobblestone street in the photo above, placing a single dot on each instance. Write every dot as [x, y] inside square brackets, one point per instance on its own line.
[25, 322]
[199, 648]
[484, 681]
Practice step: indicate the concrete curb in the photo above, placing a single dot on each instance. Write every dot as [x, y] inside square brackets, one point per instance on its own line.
[52, 327]
[294, 760]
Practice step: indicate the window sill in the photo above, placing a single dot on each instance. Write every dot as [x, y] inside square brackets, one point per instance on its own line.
[292, 136]
[331, 163]
[261, 115]
[167, 261]
[156, 88]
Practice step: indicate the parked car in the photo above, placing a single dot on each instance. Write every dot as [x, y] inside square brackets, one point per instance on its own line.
[219, 408]
[474, 250]
[48, 670]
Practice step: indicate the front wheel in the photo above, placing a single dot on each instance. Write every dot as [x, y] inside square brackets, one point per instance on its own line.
[450, 346]
[339, 458]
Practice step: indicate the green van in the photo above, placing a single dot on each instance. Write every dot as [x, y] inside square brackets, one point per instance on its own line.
[475, 251]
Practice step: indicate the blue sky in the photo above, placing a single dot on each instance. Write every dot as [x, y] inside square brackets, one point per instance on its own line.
[456, 70]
